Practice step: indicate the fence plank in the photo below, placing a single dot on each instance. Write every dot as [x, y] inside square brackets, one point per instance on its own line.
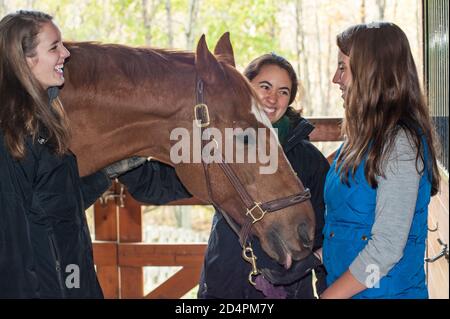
[105, 257]
[178, 285]
[327, 129]
[161, 254]
[105, 253]
[130, 230]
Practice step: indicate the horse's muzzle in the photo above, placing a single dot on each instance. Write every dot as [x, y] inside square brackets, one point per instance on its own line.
[284, 253]
[303, 233]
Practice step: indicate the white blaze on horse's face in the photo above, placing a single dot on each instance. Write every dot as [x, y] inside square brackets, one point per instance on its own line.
[261, 116]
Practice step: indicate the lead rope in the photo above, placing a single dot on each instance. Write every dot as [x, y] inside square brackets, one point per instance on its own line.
[314, 284]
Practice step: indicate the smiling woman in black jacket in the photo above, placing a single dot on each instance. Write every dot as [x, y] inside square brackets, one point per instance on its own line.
[45, 245]
[225, 273]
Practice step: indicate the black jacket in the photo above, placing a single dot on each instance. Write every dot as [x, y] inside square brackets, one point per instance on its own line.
[225, 273]
[154, 183]
[43, 229]
[45, 246]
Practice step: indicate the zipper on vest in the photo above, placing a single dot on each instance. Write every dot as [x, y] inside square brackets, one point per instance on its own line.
[55, 254]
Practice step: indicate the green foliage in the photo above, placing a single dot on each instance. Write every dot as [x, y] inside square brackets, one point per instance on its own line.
[256, 27]
[252, 25]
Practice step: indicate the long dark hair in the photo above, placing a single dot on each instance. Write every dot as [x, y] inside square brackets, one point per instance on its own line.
[383, 96]
[24, 109]
[253, 69]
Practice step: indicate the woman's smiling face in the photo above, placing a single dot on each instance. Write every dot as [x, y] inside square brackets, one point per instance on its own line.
[343, 74]
[273, 86]
[48, 60]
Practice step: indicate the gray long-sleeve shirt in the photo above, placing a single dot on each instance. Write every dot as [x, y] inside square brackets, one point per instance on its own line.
[395, 206]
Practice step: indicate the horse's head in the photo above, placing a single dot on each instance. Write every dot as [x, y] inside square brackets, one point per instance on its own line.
[253, 155]
[125, 101]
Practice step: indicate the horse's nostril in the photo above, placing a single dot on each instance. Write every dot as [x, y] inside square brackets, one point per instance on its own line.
[304, 235]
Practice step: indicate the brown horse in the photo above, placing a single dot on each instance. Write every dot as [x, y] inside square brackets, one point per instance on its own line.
[125, 101]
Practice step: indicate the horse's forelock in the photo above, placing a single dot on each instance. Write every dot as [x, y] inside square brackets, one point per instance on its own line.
[259, 113]
[244, 90]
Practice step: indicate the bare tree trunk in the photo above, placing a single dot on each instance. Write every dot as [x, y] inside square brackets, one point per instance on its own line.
[148, 18]
[419, 32]
[182, 216]
[105, 16]
[147, 24]
[394, 15]
[273, 25]
[193, 12]
[319, 61]
[330, 44]
[362, 11]
[169, 23]
[381, 4]
[302, 56]
[272, 32]
[2, 8]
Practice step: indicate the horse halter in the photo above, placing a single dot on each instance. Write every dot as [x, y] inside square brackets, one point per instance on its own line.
[255, 210]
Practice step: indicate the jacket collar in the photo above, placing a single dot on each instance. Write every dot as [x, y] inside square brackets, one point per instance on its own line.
[301, 128]
[52, 93]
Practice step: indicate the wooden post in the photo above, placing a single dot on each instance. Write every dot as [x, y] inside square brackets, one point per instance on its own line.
[130, 230]
[189, 256]
[105, 221]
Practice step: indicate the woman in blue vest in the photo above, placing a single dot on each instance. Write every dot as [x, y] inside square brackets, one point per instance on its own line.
[380, 183]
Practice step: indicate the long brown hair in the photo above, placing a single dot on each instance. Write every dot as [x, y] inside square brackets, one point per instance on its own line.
[25, 109]
[383, 96]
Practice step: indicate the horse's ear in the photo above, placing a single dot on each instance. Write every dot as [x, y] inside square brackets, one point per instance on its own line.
[205, 63]
[224, 49]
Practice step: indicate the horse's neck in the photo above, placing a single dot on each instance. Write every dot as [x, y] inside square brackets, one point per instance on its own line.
[103, 133]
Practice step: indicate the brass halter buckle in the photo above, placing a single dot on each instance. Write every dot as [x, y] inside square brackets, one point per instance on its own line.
[201, 115]
[251, 213]
[250, 258]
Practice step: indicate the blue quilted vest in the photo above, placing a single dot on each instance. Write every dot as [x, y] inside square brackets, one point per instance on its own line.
[350, 213]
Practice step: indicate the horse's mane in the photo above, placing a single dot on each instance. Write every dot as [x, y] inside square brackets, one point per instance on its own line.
[91, 61]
